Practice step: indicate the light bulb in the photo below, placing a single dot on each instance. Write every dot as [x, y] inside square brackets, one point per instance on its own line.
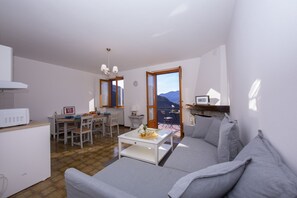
[103, 67]
[115, 69]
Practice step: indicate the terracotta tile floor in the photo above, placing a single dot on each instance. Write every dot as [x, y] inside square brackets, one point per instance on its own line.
[90, 160]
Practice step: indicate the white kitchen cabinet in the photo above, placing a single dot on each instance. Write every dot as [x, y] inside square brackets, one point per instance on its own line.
[24, 156]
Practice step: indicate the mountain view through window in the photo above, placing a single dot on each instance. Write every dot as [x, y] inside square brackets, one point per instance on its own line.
[168, 97]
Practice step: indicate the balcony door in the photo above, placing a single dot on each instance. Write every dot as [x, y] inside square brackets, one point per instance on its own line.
[153, 111]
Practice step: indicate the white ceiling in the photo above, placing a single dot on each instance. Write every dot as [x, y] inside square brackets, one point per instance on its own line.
[75, 33]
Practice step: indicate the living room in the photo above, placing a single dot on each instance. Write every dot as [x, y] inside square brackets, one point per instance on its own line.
[255, 63]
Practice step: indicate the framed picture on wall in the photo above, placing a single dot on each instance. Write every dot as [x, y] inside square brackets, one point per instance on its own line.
[70, 110]
[204, 99]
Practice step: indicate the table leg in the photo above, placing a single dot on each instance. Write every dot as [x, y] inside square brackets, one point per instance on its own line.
[120, 148]
[157, 155]
[171, 141]
[65, 132]
[103, 127]
[58, 129]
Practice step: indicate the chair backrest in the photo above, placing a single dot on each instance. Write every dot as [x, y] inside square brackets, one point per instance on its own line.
[99, 120]
[52, 121]
[86, 123]
[55, 117]
[112, 119]
[98, 123]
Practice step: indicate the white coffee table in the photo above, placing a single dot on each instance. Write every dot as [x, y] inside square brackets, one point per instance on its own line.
[148, 150]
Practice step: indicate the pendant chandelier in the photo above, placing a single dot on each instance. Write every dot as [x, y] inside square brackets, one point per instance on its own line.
[105, 69]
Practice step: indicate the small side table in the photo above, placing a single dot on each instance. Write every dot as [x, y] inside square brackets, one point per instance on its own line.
[136, 121]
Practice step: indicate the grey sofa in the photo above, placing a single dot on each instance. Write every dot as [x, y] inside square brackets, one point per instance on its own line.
[194, 169]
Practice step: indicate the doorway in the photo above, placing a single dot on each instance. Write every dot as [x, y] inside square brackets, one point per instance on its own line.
[164, 100]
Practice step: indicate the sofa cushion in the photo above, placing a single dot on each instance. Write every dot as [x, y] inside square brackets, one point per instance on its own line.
[213, 181]
[229, 142]
[266, 175]
[188, 130]
[192, 154]
[212, 135]
[79, 185]
[138, 178]
[201, 126]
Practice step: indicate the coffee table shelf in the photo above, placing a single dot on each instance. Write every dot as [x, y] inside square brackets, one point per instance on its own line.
[145, 153]
[148, 150]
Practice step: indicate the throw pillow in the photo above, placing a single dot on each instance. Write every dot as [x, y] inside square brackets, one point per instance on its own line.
[213, 181]
[229, 142]
[267, 175]
[212, 135]
[201, 127]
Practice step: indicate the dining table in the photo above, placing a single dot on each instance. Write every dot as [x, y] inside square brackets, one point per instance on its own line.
[75, 120]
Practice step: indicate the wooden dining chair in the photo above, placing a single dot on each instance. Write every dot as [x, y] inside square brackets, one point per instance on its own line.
[59, 127]
[99, 125]
[112, 121]
[53, 127]
[84, 132]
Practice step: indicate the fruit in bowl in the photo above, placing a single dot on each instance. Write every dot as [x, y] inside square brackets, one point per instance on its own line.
[145, 132]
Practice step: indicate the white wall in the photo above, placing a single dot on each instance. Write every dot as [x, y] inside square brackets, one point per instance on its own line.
[261, 57]
[51, 87]
[6, 100]
[212, 76]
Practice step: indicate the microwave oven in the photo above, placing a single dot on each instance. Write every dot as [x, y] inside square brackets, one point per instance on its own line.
[14, 117]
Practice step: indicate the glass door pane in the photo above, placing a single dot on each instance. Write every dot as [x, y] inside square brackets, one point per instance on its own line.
[113, 93]
[151, 114]
[104, 93]
[151, 89]
[120, 92]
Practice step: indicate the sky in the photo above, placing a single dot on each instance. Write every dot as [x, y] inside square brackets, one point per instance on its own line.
[167, 83]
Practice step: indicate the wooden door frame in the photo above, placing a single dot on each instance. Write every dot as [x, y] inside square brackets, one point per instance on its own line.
[168, 71]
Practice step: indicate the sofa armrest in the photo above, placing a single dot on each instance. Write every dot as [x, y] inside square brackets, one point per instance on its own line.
[78, 184]
[188, 130]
